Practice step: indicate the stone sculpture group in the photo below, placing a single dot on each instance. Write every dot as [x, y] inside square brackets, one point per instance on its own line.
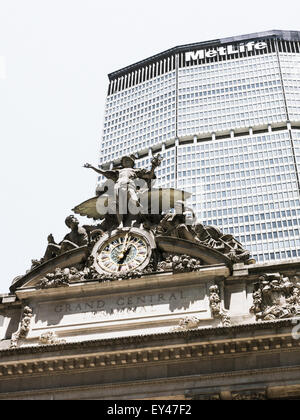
[179, 244]
[175, 221]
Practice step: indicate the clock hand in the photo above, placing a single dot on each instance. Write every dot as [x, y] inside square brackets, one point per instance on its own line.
[126, 252]
[124, 247]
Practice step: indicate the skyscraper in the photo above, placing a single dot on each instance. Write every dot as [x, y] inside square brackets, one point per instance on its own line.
[225, 114]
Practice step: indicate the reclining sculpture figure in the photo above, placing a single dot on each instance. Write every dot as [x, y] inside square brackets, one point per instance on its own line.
[181, 223]
[76, 238]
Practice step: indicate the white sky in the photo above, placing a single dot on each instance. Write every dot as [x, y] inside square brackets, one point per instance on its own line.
[54, 59]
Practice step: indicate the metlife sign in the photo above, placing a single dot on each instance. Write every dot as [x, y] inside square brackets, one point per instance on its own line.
[228, 50]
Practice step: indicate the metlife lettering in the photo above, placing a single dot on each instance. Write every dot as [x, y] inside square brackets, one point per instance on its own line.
[223, 51]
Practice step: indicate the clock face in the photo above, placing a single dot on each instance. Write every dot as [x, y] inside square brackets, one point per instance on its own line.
[122, 252]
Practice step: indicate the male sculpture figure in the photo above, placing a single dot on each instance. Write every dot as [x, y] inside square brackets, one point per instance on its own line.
[76, 238]
[178, 222]
[125, 190]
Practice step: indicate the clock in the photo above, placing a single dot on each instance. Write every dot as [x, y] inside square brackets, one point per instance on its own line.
[123, 251]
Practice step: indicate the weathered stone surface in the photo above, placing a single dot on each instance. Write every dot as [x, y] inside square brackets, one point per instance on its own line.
[134, 306]
[158, 349]
[150, 306]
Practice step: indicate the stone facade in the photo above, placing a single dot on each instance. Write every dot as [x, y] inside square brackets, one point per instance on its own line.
[166, 335]
[149, 305]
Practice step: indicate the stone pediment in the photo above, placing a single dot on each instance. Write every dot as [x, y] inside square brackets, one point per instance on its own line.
[68, 259]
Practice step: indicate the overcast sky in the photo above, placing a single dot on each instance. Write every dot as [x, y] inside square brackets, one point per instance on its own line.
[54, 59]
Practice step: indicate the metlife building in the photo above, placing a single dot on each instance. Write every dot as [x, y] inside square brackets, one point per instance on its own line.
[225, 115]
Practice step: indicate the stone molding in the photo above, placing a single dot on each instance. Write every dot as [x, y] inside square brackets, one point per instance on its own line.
[150, 338]
[170, 384]
[235, 394]
[101, 358]
[249, 395]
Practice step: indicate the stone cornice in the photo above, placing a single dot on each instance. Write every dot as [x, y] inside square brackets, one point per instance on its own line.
[77, 363]
[192, 334]
[97, 354]
[159, 382]
[291, 265]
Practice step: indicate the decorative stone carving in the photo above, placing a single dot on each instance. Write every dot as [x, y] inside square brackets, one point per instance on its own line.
[276, 297]
[124, 188]
[227, 395]
[188, 323]
[192, 322]
[121, 276]
[24, 327]
[152, 267]
[50, 338]
[182, 223]
[249, 395]
[203, 397]
[178, 263]
[77, 237]
[184, 264]
[166, 262]
[63, 277]
[60, 278]
[89, 272]
[213, 237]
[178, 222]
[35, 264]
[215, 306]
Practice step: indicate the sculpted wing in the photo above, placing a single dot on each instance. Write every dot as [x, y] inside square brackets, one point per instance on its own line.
[90, 207]
[160, 199]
